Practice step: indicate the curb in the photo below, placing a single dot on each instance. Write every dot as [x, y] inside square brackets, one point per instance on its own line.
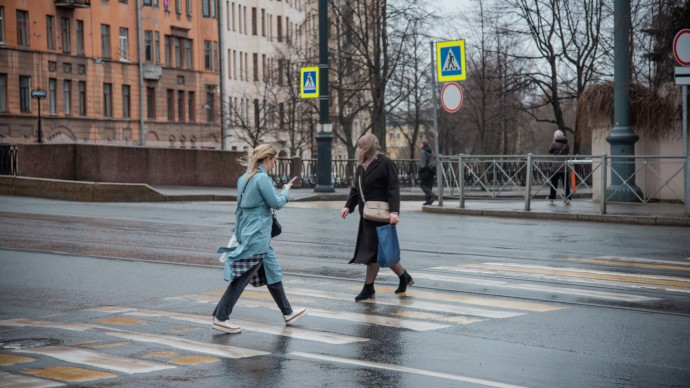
[607, 218]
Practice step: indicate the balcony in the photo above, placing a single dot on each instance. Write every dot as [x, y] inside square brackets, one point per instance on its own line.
[73, 3]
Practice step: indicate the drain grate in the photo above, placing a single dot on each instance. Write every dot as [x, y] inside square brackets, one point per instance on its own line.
[26, 343]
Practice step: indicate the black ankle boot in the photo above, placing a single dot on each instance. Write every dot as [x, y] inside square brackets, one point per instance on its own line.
[405, 280]
[367, 292]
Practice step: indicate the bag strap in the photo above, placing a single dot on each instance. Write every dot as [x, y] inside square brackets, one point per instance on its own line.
[239, 199]
[361, 191]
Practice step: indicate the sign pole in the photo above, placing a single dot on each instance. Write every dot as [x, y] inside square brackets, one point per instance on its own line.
[684, 92]
[436, 147]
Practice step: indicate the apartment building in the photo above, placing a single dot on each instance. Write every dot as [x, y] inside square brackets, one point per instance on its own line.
[264, 44]
[102, 85]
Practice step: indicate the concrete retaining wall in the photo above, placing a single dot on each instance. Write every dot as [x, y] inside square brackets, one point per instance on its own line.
[119, 164]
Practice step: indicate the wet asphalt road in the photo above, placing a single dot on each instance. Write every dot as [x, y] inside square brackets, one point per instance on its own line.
[497, 302]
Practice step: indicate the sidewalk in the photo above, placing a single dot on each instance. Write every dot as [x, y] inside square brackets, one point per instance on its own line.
[581, 209]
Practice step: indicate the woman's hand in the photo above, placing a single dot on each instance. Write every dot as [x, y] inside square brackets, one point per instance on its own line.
[288, 186]
[344, 212]
[393, 218]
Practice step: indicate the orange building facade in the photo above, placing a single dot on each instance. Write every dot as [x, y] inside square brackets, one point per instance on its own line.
[112, 73]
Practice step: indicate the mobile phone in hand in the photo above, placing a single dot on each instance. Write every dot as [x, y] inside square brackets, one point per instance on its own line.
[292, 180]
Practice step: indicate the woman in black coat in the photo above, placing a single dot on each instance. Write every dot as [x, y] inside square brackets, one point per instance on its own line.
[379, 178]
[557, 169]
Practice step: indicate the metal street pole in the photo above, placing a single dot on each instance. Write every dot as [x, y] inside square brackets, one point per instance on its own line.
[622, 139]
[434, 98]
[40, 128]
[324, 138]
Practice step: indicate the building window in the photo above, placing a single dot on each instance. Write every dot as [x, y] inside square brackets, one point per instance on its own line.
[3, 92]
[263, 22]
[80, 37]
[190, 106]
[178, 7]
[124, 44]
[151, 103]
[263, 67]
[126, 101]
[108, 100]
[188, 53]
[207, 55]
[2, 24]
[256, 66]
[180, 105]
[208, 8]
[279, 27]
[52, 95]
[148, 46]
[82, 98]
[147, 2]
[67, 89]
[178, 52]
[50, 31]
[210, 103]
[167, 50]
[157, 45]
[24, 93]
[253, 20]
[216, 62]
[23, 29]
[105, 41]
[66, 35]
[170, 102]
[188, 7]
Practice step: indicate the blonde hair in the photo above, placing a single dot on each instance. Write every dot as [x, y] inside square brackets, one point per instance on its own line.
[371, 148]
[257, 157]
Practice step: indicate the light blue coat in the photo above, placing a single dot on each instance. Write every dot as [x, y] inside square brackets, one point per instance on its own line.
[253, 222]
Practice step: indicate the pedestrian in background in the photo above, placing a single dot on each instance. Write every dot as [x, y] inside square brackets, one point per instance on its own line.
[557, 169]
[379, 178]
[426, 172]
[253, 259]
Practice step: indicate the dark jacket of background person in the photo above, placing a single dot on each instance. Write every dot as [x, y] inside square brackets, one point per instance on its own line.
[558, 147]
[424, 161]
[380, 183]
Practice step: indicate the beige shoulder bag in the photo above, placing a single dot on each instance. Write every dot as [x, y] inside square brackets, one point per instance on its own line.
[378, 211]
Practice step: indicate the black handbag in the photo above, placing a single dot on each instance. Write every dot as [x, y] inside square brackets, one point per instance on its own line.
[276, 229]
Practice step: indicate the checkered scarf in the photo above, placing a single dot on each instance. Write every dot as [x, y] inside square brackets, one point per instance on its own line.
[240, 267]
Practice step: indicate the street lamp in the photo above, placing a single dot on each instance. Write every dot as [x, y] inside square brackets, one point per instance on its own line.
[39, 94]
[324, 138]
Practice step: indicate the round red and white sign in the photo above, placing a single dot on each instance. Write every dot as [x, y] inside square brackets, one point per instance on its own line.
[681, 47]
[451, 97]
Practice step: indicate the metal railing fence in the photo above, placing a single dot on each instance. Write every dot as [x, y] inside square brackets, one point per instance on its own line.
[656, 178]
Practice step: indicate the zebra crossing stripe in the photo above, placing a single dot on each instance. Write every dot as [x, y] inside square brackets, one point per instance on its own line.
[411, 303]
[587, 274]
[637, 263]
[534, 287]
[397, 368]
[15, 380]
[294, 332]
[362, 318]
[166, 340]
[97, 359]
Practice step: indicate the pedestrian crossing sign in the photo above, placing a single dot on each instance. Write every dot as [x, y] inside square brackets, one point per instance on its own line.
[309, 82]
[450, 61]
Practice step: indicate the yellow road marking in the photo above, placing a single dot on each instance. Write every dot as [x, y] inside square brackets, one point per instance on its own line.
[15, 380]
[458, 319]
[573, 272]
[194, 360]
[81, 343]
[11, 359]
[631, 264]
[160, 354]
[109, 345]
[68, 373]
[184, 329]
[120, 321]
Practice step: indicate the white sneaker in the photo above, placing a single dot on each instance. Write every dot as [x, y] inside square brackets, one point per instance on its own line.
[225, 326]
[296, 314]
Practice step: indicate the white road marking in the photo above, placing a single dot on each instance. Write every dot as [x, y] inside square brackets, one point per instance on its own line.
[21, 381]
[411, 303]
[282, 330]
[379, 320]
[97, 359]
[380, 365]
[644, 260]
[533, 287]
[175, 342]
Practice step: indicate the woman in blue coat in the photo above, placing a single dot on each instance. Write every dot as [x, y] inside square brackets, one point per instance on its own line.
[253, 260]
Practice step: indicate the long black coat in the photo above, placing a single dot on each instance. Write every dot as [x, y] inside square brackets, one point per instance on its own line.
[380, 183]
[558, 147]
